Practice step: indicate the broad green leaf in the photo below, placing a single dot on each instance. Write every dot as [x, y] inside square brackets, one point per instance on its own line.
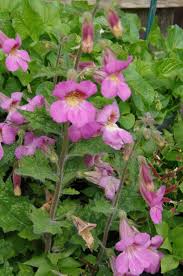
[162, 229]
[6, 250]
[174, 38]
[178, 133]
[25, 270]
[36, 166]
[177, 239]
[6, 270]
[168, 67]
[70, 191]
[131, 25]
[127, 121]
[43, 224]
[168, 263]
[43, 265]
[167, 245]
[124, 108]
[10, 5]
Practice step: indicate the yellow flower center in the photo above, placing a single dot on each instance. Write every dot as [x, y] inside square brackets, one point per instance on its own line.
[74, 98]
[114, 77]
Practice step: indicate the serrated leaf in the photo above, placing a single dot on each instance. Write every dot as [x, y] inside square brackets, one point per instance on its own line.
[36, 166]
[174, 38]
[168, 263]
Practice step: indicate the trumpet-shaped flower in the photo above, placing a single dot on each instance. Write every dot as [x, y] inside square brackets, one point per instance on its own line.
[72, 105]
[32, 143]
[139, 251]
[154, 199]
[7, 136]
[111, 133]
[85, 132]
[15, 58]
[113, 82]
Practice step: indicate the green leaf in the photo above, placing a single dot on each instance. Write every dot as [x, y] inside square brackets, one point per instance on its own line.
[127, 121]
[168, 263]
[70, 191]
[131, 24]
[9, 5]
[177, 239]
[92, 146]
[36, 166]
[124, 108]
[25, 270]
[43, 265]
[162, 229]
[178, 134]
[6, 250]
[6, 270]
[174, 38]
[43, 224]
[167, 245]
[168, 66]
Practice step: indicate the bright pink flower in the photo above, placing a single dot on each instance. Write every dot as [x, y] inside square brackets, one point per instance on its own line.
[154, 199]
[72, 105]
[113, 83]
[87, 34]
[32, 143]
[7, 136]
[11, 106]
[37, 101]
[111, 133]
[15, 58]
[139, 251]
[87, 131]
[114, 23]
[102, 175]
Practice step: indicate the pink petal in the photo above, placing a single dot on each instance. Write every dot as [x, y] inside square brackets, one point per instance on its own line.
[63, 88]
[11, 63]
[58, 112]
[16, 117]
[8, 45]
[156, 214]
[74, 133]
[124, 243]
[123, 91]
[109, 112]
[18, 41]
[142, 239]
[90, 130]
[122, 263]
[17, 96]
[88, 87]
[117, 65]
[25, 151]
[8, 134]
[156, 241]
[125, 136]
[109, 88]
[22, 64]
[125, 230]
[23, 55]
[28, 138]
[6, 104]
[1, 151]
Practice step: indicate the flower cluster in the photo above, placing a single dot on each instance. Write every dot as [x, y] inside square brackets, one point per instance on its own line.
[139, 252]
[15, 58]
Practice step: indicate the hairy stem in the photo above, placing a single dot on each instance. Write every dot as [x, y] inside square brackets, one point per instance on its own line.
[59, 187]
[57, 62]
[114, 207]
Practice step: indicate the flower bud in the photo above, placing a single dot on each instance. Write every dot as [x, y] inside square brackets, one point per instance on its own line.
[145, 175]
[114, 23]
[71, 74]
[17, 184]
[160, 141]
[87, 33]
[147, 133]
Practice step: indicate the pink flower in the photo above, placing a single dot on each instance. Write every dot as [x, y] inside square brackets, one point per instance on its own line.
[15, 58]
[113, 83]
[72, 105]
[111, 133]
[85, 132]
[154, 199]
[87, 34]
[102, 175]
[37, 101]
[114, 23]
[7, 136]
[11, 106]
[139, 251]
[86, 64]
[32, 143]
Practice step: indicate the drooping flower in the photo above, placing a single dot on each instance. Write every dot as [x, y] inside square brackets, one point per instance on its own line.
[139, 251]
[72, 105]
[7, 136]
[87, 131]
[15, 58]
[32, 143]
[113, 84]
[113, 135]
[87, 33]
[154, 199]
[102, 175]
[11, 105]
[114, 23]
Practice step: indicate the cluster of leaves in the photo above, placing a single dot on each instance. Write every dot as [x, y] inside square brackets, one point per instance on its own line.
[156, 81]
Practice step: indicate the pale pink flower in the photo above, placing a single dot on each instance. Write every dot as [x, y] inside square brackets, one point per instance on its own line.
[154, 199]
[112, 81]
[87, 131]
[7, 136]
[139, 251]
[113, 135]
[72, 105]
[32, 143]
[15, 58]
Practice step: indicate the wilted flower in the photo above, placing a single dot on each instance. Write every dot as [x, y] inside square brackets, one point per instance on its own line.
[113, 135]
[72, 105]
[84, 230]
[139, 251]
[154, 199]
[32, 143]
[87, 33]
[7, 136]
[85, 132]
[15, 58]
[114, 23]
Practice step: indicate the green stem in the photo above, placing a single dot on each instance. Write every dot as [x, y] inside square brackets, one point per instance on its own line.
[114, 207]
